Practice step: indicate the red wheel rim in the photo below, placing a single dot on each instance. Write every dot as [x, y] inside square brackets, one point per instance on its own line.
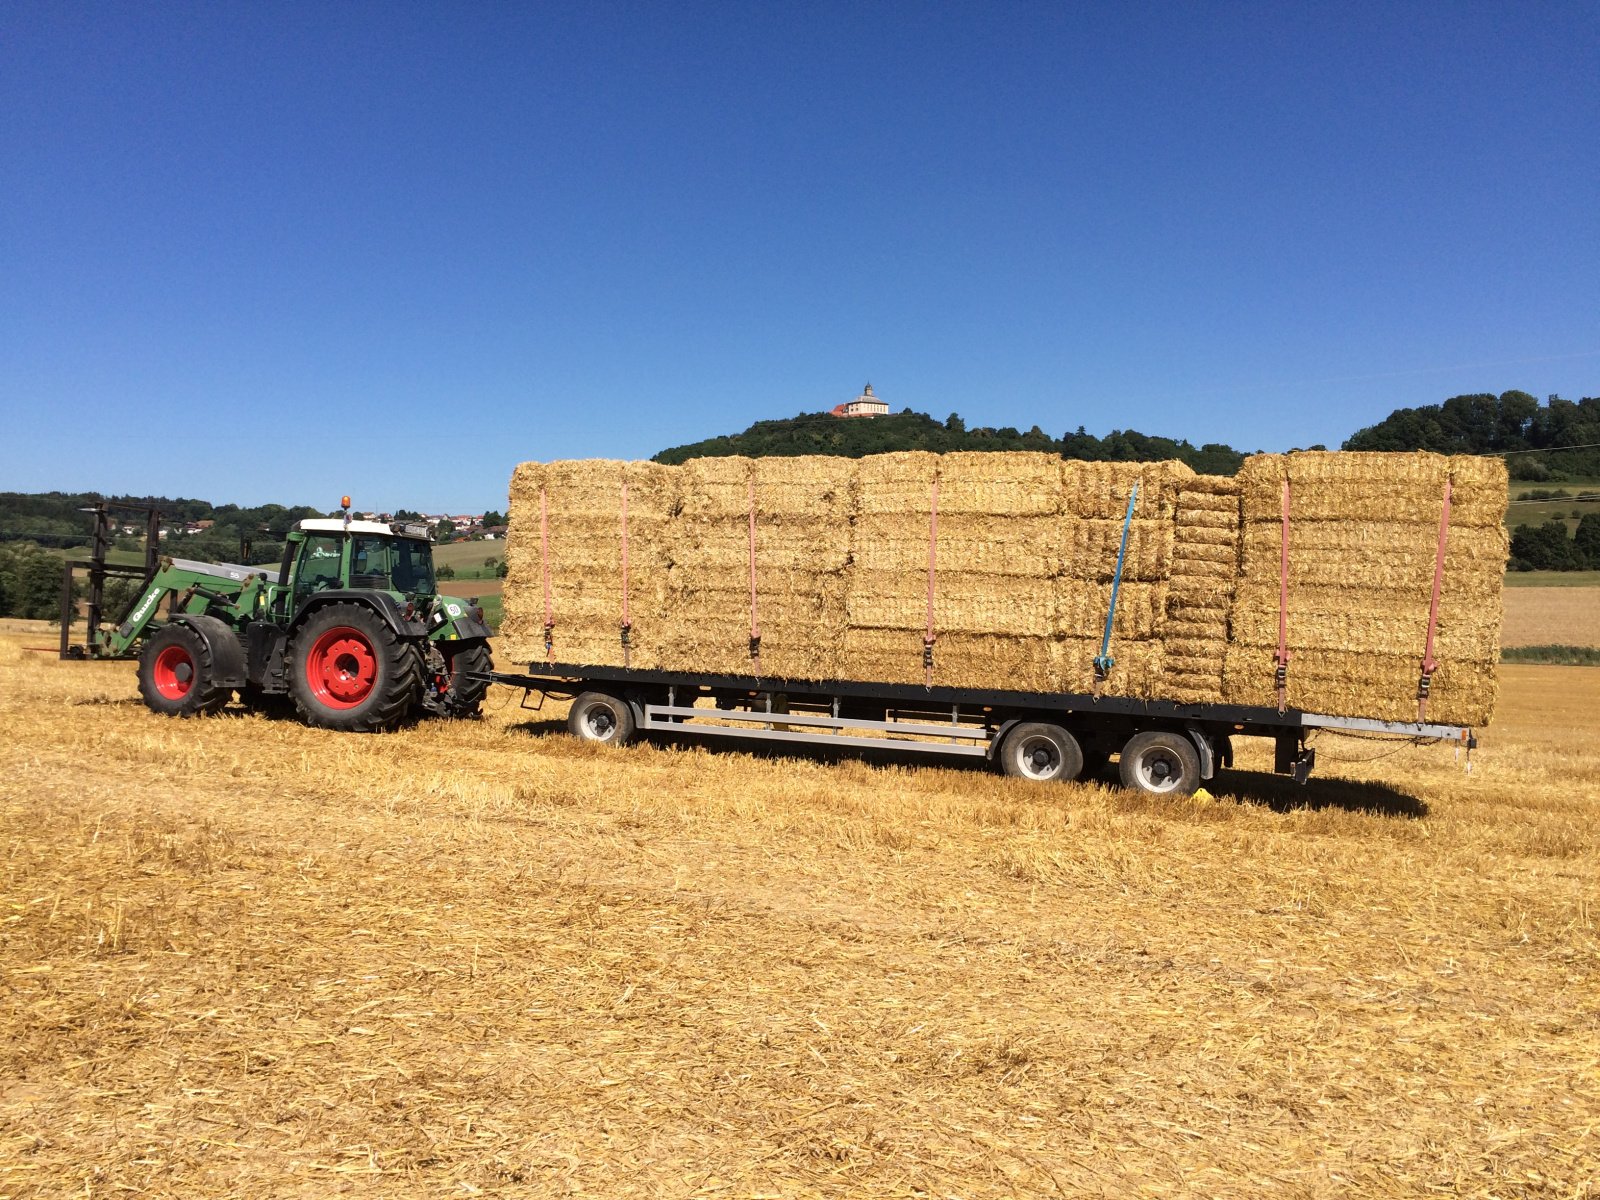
[341, 667]
[173, 673]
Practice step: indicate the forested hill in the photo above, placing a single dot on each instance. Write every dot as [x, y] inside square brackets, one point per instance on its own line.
[823, 433]
[1507, 423]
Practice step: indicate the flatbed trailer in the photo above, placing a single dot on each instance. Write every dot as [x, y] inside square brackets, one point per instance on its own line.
[1164, 746]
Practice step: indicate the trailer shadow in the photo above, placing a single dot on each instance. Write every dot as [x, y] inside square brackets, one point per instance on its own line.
[1275, 792]
[1283, 795]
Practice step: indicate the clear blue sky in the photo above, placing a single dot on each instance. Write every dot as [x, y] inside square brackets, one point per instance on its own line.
[277, 251]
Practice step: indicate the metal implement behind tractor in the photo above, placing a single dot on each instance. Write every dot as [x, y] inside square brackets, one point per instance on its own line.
[349, 628]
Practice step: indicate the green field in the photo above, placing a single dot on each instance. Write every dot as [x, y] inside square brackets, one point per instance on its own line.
[1573, 579]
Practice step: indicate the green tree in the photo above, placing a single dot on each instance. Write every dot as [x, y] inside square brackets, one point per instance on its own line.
[1586, 542]
[1543, 548]
[493, 518]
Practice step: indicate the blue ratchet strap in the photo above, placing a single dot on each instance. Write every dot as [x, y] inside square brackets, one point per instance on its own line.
[1104, 663]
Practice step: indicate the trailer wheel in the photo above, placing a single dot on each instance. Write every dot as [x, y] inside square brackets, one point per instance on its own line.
[464, 696]
[1161, 763]
[348, 670]
[600, 717]
[176, 674]
[1040, 751]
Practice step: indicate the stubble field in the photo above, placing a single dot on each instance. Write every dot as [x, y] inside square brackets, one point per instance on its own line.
[245, 958]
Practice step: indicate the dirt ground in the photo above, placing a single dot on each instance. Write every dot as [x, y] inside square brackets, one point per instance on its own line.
[240, 957]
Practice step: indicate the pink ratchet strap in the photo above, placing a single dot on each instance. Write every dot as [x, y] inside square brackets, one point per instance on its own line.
[755, 624]
[627, 621]
[544, 559]
[1429, 665]
[933, 550]
[1281, 675]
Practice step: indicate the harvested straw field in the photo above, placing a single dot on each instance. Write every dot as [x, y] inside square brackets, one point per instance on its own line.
[246, 958]
[1553, 616]
[997, 571]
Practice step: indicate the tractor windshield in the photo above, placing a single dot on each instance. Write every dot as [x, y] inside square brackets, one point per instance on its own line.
[392, 564]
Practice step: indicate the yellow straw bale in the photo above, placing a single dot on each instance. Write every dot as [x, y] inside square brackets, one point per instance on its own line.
[1100, 489]
[1138, 670]
[1012, 484]
[1381, 686]
[1082, 607]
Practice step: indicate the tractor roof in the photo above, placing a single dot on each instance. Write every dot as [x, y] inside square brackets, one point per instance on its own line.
[337, 525]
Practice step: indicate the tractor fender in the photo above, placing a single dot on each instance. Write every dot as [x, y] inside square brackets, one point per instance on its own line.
[385, 605]
[227, 651]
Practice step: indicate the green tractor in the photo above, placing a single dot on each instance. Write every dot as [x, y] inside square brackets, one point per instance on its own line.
[349, 629]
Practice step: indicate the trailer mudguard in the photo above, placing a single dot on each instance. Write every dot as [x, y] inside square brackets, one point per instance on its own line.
[227, 651]
[1202, 745]
[385, 605]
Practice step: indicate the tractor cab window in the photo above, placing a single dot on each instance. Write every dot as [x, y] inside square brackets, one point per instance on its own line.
[392, 565]
[317, 568]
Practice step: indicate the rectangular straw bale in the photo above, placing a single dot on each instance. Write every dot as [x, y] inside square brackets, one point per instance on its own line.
[1197, 558]
[1100, 489]
[1199, 485]
[1479, 490]
[896, 485]
[1352, 486]
[963, 601]
[1138, 671]
[584, 507]
[1011, 484]
[1082, 607]
[965, 660]
[1027, 546]
[715, 489]
[800, 630]
[1375, 620]
[1342, 682]
[804, 507]
[1092, 545]
[1381, 554]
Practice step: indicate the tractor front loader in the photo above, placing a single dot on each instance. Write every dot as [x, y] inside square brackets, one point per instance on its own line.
[349, 629]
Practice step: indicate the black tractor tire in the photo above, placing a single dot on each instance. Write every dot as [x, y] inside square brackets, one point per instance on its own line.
[464, 696]
[348, 670]
[177, 676]
[1161, 762]
[601, 717]
[1041, 752]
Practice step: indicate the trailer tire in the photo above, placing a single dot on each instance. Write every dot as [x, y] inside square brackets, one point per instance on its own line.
[349, 671]
[177, 675]
[1041, 752]
[601, 717]
[1161, 762]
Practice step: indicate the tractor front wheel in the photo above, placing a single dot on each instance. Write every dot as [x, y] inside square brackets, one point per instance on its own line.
[348, 670]
[177, 676]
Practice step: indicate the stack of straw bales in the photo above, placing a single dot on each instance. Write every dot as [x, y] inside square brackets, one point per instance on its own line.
[801, 543]
[1024, 556]
[1205, 568]
[1363, 540]
[1094, 498]
[997, 554]
[582, 505]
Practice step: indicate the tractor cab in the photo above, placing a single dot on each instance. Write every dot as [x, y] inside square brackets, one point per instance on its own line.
[325, 555]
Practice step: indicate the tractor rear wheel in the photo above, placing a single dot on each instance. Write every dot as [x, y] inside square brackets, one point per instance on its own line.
[177, 676]
[463, 696]
[348, 670]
